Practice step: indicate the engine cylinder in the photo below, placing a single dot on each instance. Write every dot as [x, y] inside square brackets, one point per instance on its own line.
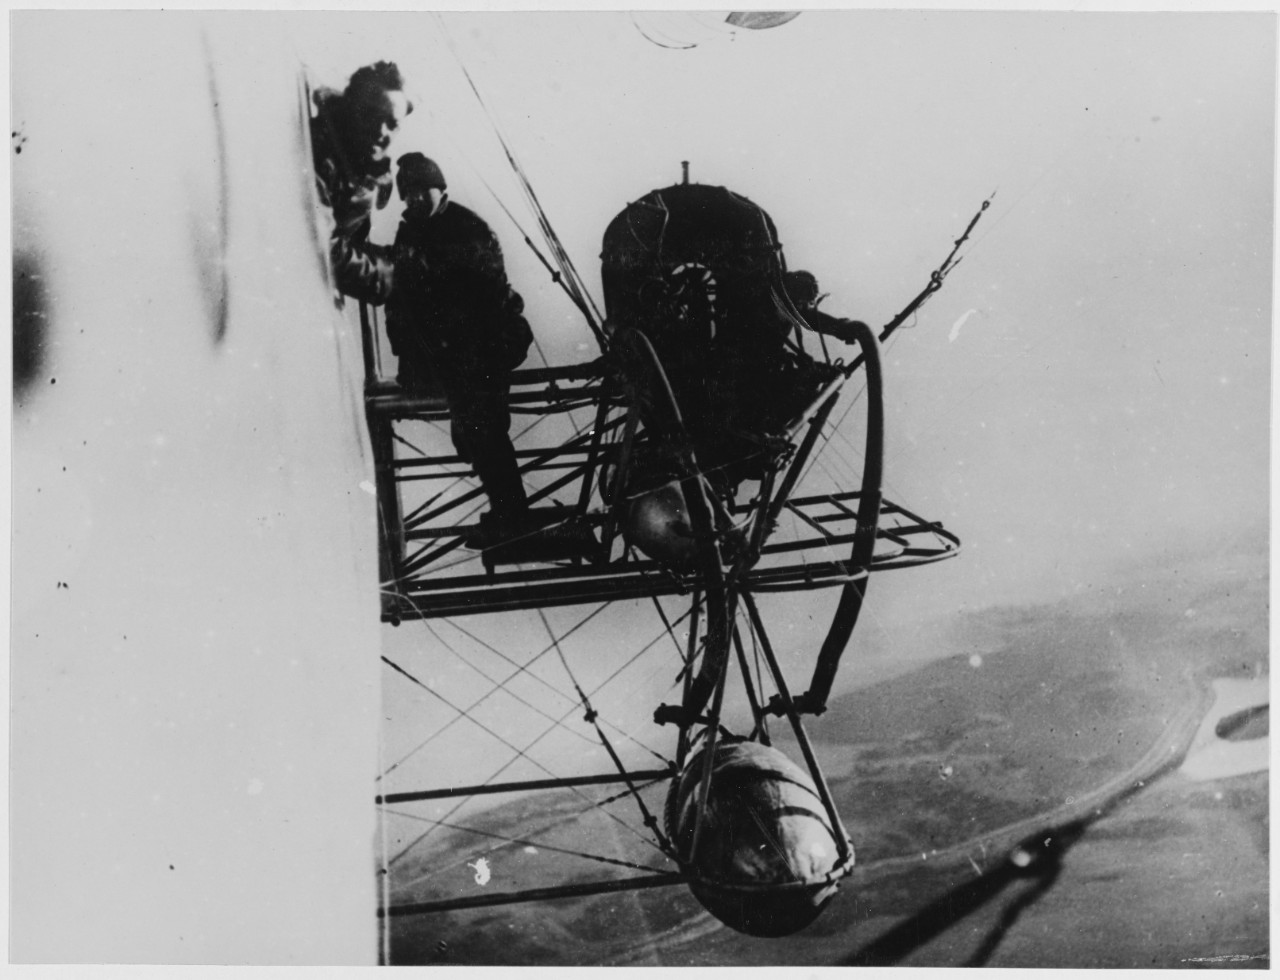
[767, 861]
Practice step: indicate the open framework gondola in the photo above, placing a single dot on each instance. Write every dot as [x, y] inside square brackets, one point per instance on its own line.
[671, 499]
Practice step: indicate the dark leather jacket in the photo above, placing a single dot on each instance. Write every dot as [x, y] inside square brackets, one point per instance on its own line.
[453, 301]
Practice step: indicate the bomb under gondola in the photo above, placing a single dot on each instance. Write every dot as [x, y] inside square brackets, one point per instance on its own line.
[759, 850]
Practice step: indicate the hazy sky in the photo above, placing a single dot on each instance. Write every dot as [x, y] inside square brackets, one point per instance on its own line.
[1087, 394]
[1105, 398]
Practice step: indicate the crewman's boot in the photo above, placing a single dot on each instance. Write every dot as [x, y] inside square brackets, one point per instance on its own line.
[538, 534]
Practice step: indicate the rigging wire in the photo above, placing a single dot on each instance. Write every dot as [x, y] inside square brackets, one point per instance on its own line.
[624, 734]
[384, 853]
[832, 429]
[497, 685]
[573, 281]
[991, 377]
[556, 276]
[547, 731]
[849, 472]
[524, 668]
[995, 375]
[531, 841]
[479, 724]
[608, 680]
[949, 264]
[662, 613]
[457, 806]
[591, 718]
[755, 654]
[405, 442]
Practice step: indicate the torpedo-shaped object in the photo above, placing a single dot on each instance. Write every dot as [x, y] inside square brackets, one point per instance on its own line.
[765, 861]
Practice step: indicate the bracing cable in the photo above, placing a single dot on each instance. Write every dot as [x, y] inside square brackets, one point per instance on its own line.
[572, 281]
[530, 841]
[524, 667]
[592, 717]
[497, 685]
[501, 685]
[543, 734]
[462, 712]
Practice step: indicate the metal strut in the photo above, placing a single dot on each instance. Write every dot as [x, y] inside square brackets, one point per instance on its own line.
[814, 701]
[791, 709]
[535, 895]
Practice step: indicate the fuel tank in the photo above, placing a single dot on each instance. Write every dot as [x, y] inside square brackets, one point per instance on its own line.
[658, 524]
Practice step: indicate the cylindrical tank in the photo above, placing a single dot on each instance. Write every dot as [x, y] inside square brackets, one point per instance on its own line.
[658, 524]
[767, 861]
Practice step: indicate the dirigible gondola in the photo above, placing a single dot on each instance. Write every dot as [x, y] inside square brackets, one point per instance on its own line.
[710, 401]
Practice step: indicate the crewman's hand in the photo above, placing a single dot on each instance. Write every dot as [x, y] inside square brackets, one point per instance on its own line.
[352, 206]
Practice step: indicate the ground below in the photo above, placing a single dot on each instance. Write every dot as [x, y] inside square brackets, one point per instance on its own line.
[1054, 793]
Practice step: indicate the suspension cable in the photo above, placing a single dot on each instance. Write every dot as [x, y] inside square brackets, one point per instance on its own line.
[572, 280]
[523, 841]
[462, 713]
[497, 685]
[502, 685]
[547, 731]
[591, 717]
[524, 667]
[556, 276]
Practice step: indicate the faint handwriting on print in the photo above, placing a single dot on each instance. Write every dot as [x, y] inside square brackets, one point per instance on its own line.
[1227, 958]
